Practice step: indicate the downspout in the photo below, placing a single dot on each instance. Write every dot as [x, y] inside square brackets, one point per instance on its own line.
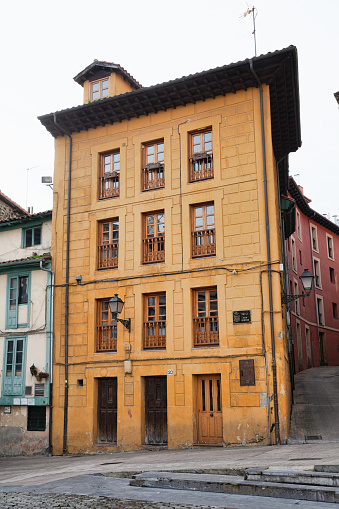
[64, 447]
[50, 448]
[180, 191]
[268, 244]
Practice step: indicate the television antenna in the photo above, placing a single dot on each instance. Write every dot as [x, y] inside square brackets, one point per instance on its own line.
[254, 12]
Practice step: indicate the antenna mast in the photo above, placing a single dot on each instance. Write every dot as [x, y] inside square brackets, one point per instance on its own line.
[254, 13]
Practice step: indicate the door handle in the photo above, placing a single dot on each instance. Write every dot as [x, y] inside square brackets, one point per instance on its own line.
[211, 414]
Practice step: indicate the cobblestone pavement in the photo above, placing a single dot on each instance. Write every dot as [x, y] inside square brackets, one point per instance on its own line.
[43, 501]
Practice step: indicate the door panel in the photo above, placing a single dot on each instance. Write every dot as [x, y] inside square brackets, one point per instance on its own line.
[209, 409]
[107, 410]
[156, 410]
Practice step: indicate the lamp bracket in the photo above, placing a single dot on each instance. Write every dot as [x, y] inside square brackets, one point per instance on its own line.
[125, 323]
[286, 299]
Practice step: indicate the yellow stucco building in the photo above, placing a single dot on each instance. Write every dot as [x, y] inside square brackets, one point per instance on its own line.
[168, 197]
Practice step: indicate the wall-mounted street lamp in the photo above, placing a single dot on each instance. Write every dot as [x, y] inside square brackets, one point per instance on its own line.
[306, 279]
[115, 305]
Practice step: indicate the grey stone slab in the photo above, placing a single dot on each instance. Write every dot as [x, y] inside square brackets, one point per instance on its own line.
[235, 485]
[293, 477]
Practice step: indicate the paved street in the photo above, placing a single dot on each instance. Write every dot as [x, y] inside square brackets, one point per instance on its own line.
[87, 481]
[102, 481]
[316, 404]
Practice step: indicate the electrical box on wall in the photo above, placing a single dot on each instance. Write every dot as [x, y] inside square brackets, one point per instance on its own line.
[247, 373]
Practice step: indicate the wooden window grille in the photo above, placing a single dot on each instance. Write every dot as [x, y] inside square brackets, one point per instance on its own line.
[155, 321]
[201, 156]
[109, 179]
[154, 238]
[99, 89]
[106, 328]
[205, 319]
[203, 234]
[108, 245]
[153, 165]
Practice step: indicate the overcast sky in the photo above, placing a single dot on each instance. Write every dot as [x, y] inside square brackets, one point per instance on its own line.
[45, 44]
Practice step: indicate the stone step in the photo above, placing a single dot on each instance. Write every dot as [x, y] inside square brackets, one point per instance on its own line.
[293, 477]
[235, 485]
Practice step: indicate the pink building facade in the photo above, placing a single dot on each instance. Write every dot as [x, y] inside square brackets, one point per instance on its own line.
[313, 320]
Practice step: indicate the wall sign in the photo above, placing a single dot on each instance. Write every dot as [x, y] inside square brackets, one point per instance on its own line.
[7, 409]
[242, 316]
[170, 371]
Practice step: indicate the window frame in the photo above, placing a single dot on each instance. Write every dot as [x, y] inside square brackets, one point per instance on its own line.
[157, 339]
[100, 83]
[320, 312]
[314, 238]
[24, 235]
[111, 177]
[329, 240]
[332, 275]
[294, 255]
[200, 163]
[205, 338]
[298, 225]
[153, 251]
[105, 344]
[39, 421]
[317, 273]
[110, 247]
[202, 245]
[335, 310]
[12, 315]
[296, 292]
[14, 385]
[152, 168]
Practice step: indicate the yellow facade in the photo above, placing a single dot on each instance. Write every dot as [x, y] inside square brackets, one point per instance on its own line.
[238, 271]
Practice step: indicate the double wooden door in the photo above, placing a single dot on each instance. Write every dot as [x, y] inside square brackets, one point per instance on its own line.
[156, 410]
[107, 410]
[209, 409]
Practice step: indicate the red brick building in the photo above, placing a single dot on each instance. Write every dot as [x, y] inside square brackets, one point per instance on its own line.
[314, 320]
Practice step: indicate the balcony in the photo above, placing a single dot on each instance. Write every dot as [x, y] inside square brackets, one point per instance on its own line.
[109, 185]
[108, 256]
[205, 330]
[154, 249]
[106, 338]
[154, 335]
[203, 243]
[201, 167]
[153, 177]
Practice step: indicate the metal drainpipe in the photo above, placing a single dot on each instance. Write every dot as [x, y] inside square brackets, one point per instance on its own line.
[274, 367]
[64, 447]
[50, 449]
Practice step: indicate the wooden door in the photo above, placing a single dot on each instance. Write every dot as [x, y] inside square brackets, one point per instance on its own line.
[107, 410]
[209, 409]
[155, 410]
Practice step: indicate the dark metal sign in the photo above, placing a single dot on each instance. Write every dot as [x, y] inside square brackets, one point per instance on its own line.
[242, 316]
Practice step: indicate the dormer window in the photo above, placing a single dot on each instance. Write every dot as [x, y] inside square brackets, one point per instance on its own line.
[99, 89]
